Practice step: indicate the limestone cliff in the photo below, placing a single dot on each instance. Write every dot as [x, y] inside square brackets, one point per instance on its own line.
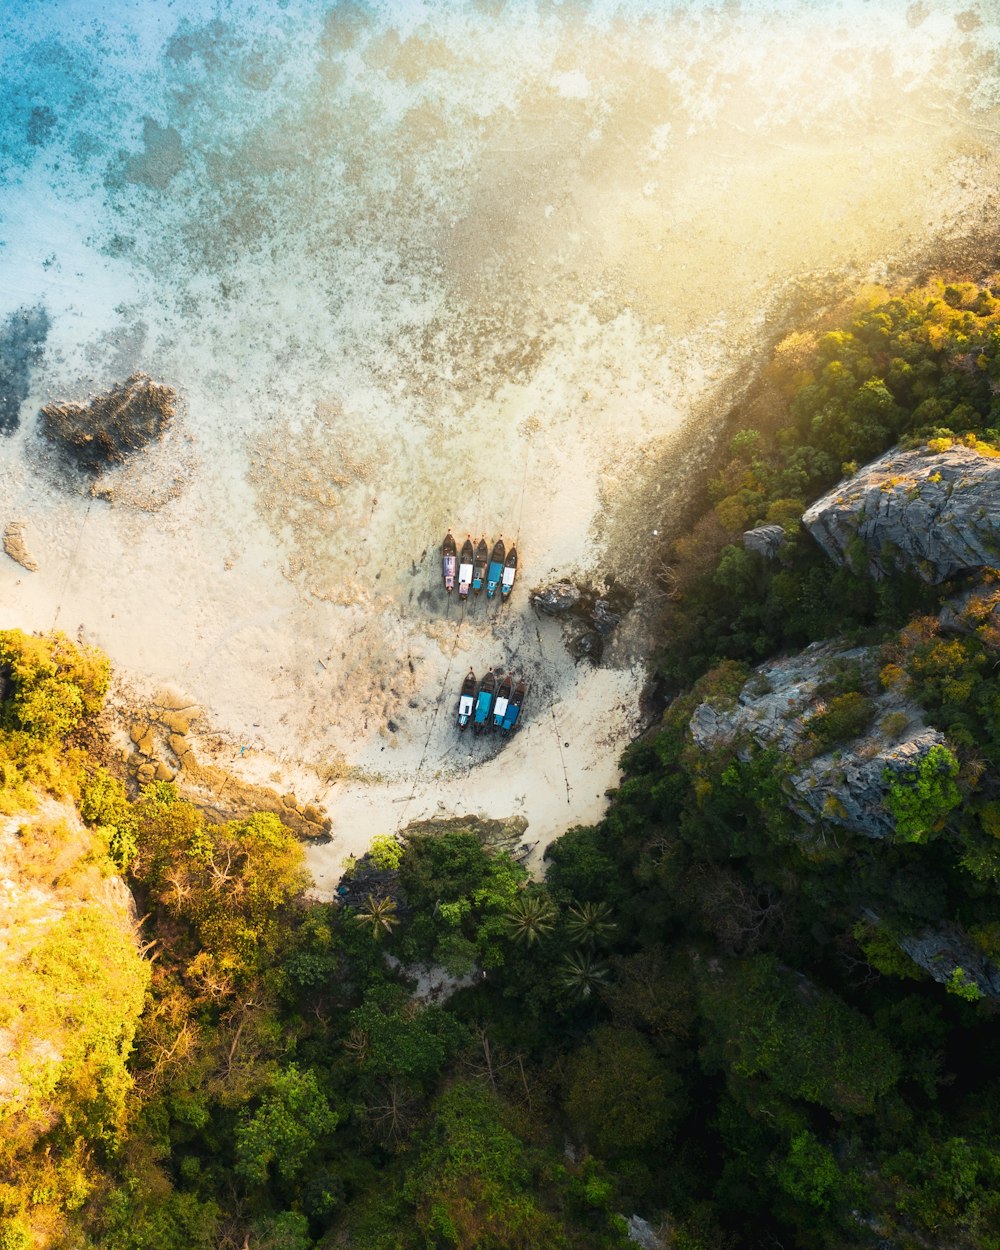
[781, 706]
[935, 513]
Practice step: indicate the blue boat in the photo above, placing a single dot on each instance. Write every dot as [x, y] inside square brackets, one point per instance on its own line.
[501, 701]
[496, 567]
[484, 702]
[479, 565]
[514, 705]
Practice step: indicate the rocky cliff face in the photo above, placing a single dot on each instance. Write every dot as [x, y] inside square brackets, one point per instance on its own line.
[846, 786]
[933, 513]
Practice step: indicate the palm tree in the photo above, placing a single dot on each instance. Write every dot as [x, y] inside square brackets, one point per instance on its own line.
[380, 913]
[590, 924]
[530, 917]
[581, 973]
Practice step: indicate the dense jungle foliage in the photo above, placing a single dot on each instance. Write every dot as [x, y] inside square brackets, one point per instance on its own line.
[704, 1015]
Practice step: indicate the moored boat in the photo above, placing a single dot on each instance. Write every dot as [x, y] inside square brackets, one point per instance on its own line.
[479, 565]
[509, 572]
[514, 705]
[466, 699]
[484, 701]
[449, 562]
[502, 699]
[495, 571]
[465, 561]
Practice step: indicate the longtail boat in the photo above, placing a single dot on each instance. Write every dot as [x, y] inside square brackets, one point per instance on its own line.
[479, 568]
[465, 569]
[449, 562]
[502, 699]
[466, 699]
[496, 567]
[514, 705]
[509, 572]
[484, 701]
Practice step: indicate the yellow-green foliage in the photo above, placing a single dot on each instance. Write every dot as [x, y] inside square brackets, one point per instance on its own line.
[225, 883]
[68, 1014]
[48, 686]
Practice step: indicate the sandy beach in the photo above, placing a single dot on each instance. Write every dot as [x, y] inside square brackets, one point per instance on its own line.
[483, 268]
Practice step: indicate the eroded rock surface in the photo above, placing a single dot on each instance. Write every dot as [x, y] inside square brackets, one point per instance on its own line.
[948, 954]
[112, 426]
[16, 548]
[845, 786]
[935, 514]
[765, 540]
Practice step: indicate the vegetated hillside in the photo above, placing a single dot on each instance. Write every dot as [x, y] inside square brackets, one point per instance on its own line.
[756, 1005]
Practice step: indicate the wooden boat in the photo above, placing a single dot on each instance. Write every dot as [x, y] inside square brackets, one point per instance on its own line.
[466, 699]
[502, 699]
[449, 562]
[495, 570]
[484, 702]
[465, 568]
[479, 567]
[514, 705]
[509, 572]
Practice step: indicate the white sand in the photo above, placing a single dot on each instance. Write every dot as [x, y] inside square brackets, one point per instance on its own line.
[446, 266]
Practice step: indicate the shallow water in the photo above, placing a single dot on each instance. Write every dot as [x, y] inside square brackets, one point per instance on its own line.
[417, 266]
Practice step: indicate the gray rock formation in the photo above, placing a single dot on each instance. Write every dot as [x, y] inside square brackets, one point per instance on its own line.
[766, 540]
[947, 954]
[557, 599]
[935, 514]
[845, 787]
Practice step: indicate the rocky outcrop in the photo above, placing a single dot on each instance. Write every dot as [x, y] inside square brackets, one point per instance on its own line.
[765, 540]
[112, 426]
[951, 959]
[590, 616]
[932, 513]
[16, 548]
[846, 786]
[557, 599]
[851, 791]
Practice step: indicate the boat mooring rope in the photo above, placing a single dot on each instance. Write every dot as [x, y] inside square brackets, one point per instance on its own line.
[437, 708]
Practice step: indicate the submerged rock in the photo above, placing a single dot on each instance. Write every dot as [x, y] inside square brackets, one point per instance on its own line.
[14, 545]
[935, 514]
[22, 337]
[112, 426]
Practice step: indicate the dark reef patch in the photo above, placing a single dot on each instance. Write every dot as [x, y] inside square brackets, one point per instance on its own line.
[22, 338]
[112, 426]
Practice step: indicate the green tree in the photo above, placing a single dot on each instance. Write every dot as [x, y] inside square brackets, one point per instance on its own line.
[530, 917]
[380, 915]
[287, 1129]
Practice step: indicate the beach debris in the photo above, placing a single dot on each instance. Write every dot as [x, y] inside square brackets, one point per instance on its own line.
[22, 337]
[14, 545]
[113, 425]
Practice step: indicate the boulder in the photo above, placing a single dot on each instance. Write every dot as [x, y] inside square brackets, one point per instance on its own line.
[112, 426]
[557, 599]
[15, 546]
[932, 513]
[765, 540]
